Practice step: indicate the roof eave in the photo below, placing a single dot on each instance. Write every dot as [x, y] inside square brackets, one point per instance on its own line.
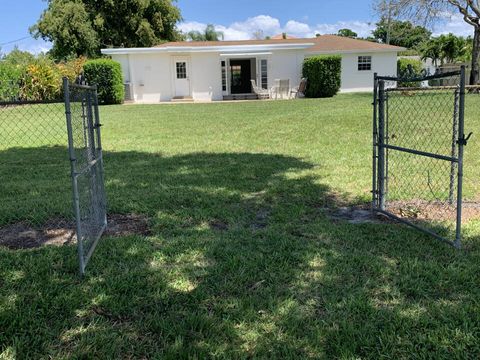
[353, 51]
[207, 49]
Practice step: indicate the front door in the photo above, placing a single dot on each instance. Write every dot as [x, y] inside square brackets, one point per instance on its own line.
[182, 77]
[241, 72]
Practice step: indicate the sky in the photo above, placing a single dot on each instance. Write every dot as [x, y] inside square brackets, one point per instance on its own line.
[238, 19]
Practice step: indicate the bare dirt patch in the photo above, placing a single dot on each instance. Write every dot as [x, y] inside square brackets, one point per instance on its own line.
[433, 211]
[353, 215]
[57, 232]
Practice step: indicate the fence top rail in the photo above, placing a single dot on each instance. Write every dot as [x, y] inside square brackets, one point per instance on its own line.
[29, 102]
[421, 78]
[432, 88]
[83, 87]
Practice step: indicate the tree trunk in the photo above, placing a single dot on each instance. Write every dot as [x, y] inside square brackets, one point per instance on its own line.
[475, 74]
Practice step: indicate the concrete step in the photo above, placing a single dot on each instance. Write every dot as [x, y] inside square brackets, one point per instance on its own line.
[241, 97]
[182, 99]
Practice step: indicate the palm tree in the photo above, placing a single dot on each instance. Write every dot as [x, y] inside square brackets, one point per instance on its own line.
[209, 34]
[451, 47]
[431, 50]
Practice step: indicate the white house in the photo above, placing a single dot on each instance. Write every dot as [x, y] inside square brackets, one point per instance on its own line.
[206, 71]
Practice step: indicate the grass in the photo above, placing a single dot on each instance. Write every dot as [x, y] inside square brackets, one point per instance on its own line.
[243, 261]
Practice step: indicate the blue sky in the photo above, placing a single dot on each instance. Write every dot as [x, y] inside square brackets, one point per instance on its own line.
[237, 19]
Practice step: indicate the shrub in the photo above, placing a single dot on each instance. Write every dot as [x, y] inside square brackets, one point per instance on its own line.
[107, 75]
[323, 74]
[408, 68]
[10, 76]
[72, 68]
[41, 81]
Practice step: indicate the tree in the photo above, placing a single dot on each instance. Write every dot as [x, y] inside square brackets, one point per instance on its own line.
[431, 50]
[400, 33]
[210, 34]
[428, 11]
[83, 27]
[258, 34]
[445, 48]
[18, 57]
[347, 33]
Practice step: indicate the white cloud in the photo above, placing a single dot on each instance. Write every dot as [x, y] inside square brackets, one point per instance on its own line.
[270, 26]
[453, 23]
[363, 29]
[295, 27]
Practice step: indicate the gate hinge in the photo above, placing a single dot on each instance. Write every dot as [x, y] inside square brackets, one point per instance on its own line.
[463, 141]
[96, 126]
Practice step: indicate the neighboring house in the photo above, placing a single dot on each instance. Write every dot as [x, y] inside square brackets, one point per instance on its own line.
[206, 71]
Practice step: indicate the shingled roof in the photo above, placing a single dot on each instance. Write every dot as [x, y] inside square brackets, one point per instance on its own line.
[323, 43]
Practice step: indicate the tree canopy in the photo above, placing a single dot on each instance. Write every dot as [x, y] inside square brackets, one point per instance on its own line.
[429, 11]
[347, 33]
[401, 33]
[447, 49]
[210, 34]
[83, 27]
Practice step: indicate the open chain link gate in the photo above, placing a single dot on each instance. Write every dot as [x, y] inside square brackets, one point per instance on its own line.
[86, 158]
[418, 154]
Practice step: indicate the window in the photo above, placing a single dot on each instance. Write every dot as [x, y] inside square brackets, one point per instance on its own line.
[181, 70]
[264, 74]
[224, 76]
[236, 75]
[364, 63]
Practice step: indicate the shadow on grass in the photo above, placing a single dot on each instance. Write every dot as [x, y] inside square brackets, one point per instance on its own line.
[243, 262]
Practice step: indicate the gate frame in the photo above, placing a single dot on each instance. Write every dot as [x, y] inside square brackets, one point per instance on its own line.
[93, 120]
[380, 167]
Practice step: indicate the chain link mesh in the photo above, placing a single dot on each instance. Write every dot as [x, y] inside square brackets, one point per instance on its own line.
[36, 175]
[421, 154]
[35, 191]
[87, 168]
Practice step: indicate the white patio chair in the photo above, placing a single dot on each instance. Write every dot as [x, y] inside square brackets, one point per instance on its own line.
[284, 88]
[261, 93]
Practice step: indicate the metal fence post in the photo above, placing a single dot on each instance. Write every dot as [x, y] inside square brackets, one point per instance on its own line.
[375, 144]
[99, 150]
[461, 143]
[73, 160]
[453, 165]
[381, 145]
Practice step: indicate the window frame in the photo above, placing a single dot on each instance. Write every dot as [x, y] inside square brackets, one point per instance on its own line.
[181, 71]
[264, 74]
[364, 63]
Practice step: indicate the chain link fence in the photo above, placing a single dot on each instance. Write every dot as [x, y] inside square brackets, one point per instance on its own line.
[86, 159]
[36, 176]
[35, 190]
[424, 172]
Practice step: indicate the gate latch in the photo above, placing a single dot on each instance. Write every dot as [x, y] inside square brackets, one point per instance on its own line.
[463, 141]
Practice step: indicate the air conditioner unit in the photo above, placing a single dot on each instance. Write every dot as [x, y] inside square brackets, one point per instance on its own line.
[128, 91]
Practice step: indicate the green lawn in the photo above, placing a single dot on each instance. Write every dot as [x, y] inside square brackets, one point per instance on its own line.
[243, 261]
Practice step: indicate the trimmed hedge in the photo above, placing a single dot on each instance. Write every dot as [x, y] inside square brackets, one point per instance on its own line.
[408, 68]
[323, 74]
[107, 75]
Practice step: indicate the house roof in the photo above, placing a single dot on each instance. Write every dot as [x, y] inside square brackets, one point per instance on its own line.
[320, 45]
[280, 36]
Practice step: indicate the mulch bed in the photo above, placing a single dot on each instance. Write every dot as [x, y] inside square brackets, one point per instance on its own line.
[59, 232]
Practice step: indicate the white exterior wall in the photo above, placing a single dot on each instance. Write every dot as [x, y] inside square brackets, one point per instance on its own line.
[206, 76]
[124, 63]
[286, 64]
[355, 80]
[153, 75]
